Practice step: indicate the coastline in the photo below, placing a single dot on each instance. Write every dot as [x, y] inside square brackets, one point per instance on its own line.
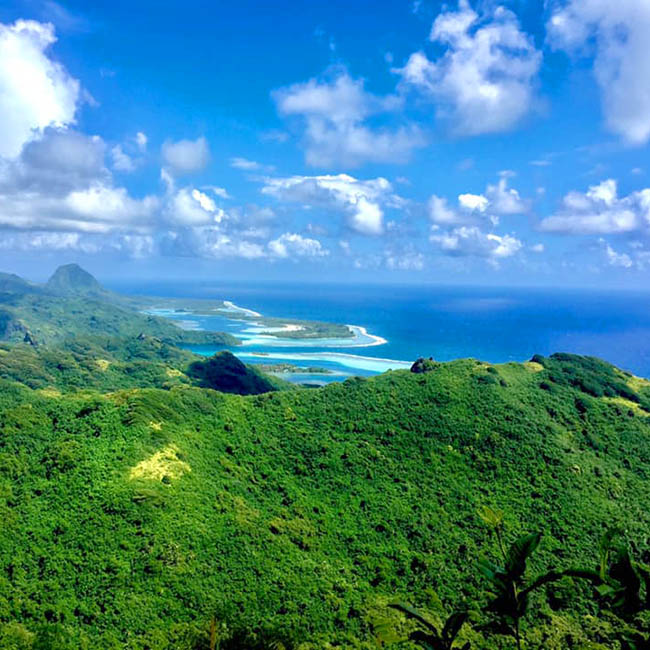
[376, 340]
[229, 305]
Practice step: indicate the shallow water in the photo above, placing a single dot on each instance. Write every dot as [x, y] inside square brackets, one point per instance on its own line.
[491, 324]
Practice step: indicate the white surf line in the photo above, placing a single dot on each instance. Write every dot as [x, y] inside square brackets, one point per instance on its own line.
[373, 364]
[376, 340]
[231, 305]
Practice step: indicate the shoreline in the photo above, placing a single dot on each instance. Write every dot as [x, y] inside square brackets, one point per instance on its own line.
[376, 340]
[243, 310]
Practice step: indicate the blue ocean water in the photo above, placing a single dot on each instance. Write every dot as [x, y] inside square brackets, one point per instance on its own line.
[490, 324]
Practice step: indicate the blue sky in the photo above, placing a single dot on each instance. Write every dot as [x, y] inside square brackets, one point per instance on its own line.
[466, 142]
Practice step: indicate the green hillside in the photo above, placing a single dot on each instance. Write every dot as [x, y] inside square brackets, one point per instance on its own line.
[109, 364]
[187, 518]
[73, 303]
[71, 278]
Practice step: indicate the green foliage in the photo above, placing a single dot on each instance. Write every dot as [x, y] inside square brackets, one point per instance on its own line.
[432, 638]
[73, 303]
[588, 374]
[422, 365]
[132, 517]
[226, 373]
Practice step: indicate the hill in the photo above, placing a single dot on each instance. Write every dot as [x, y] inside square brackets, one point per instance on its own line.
[71, 278]
[73, 303]
[184, 518]
[108, 364]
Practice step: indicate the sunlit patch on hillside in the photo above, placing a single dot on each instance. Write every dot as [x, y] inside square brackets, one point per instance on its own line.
[164, 463]
[627, 403]
[103, 364]
[172, 372]
[533, 366]
[637, 383]
[49, 392]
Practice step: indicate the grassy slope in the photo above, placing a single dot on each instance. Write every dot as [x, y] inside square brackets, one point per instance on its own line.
[130, 519]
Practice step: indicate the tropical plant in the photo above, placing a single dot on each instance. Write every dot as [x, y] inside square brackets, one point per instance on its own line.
[432, 639]
[509, 591]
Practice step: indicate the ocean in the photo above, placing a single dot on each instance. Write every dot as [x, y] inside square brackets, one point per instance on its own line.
[491, 324]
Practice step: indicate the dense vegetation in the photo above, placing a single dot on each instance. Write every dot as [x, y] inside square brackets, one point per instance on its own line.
[110, 364]
[73, 303]
[187, 518]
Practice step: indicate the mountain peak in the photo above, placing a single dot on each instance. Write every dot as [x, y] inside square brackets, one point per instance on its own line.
[71, 278]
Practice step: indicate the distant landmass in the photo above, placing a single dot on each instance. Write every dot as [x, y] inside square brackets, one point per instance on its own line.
[153, 498]
[73, 303]
[72, 279]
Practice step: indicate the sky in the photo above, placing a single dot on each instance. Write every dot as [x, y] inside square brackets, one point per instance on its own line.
[470, 142]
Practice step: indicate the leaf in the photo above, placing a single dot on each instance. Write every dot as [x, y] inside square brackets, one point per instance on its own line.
[491, 517]
[519, 552]
[452, 626]
[606, 545]
[427, 641]
[412, 612]
[490, 570]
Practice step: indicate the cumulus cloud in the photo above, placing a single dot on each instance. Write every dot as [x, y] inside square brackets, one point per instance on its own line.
[60, 160]
[189, 206]
[294, 245]
[471, 241]
[619, 33]
[141, 141]
[505, 200]
[121, 160]
[362, 202]
[334, 113]
[484, 81]
[600, 211]
[474, 209]
[59, 183]
[35, 91]
[622, 260]
[186, 156]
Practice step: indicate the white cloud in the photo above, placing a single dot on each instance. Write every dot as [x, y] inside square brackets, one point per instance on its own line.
[248, 165]
[619, 31]
[60, 160]
[600, 211]
[474, 209]
[440, 212]
[294, 245]
[404, 261]
[334, 113]
[473, 202]
[221, 192]
[217, 244]
[186, 156]
[505, 200]
[204, 201]
[191, 207]
[622, 260]
[102, 209]
[35, 91]
[362, 202]
[484, 81]
[141, 141]
[470, 241]
[59, 183]
[121, 160]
